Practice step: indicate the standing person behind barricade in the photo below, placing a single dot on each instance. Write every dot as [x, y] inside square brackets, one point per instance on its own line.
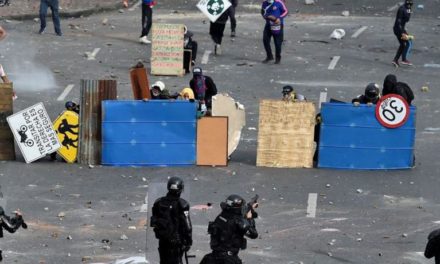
[172, 224]
[392, 86]
[370, 96]
[234, 4]
[229, 229]
[402, 17]
[273, 11]
[147, 20]
[216, 31]
[204, 89]
[189, 43]
[54, 8]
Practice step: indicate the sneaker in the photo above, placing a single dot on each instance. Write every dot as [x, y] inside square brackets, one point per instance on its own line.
[41, 31]
[59, 34]
[218, 49]
[277, 60]
[395, 63]
[193, 62]
[406, 62]
[144, 40]
[267, 60]
[232, 34]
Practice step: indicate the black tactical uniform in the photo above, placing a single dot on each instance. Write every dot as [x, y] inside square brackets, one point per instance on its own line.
[433, 246]
[228, 231]
[370, 96]
[9, 224]
[172, 224]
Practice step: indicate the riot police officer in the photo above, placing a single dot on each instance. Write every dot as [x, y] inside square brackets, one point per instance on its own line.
[10, 224]
[229, 229]
[172, 224]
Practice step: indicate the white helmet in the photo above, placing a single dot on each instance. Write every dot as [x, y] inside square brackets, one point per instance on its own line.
[159, 84]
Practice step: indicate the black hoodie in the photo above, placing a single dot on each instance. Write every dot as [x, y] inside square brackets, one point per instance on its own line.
[392, 86]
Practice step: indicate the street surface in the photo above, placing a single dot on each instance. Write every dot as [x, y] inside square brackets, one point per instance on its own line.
[360, 216]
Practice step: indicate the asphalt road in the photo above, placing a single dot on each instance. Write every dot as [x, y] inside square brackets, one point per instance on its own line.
[386, 222]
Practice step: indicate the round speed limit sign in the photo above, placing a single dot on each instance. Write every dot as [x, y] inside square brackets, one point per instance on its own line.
[392, 111]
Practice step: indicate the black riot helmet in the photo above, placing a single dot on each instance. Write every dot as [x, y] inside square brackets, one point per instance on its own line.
[372, 92]
[234, 203]
[287, 89]
[409, 3]
[175, 185]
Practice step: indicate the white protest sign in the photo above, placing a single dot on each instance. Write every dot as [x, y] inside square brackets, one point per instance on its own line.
[213, 9]
[33, 131]
[392, 111]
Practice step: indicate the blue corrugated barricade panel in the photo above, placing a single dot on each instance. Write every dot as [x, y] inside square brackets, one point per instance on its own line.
[352, 138]
[151, 133]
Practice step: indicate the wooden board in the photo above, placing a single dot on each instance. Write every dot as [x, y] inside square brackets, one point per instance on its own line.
[285, 134]
[67, 128]
[7, 147]
[212, 141]
[140, 84]
[167, 49]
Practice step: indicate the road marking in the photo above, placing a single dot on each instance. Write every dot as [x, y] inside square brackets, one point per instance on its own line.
[92, 55]
[324, 84]
[311, 205]
[205, 57]
[431, 65]
[65, 92]
[333, 63]
[144, 207]
[359, 31]
[394, 7]
[322, 98]
[135, 6]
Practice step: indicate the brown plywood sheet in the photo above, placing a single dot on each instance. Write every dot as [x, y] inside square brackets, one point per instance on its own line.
[7, 147]
[285, 134]
[140, 84]
[212, 141]
[224, 105]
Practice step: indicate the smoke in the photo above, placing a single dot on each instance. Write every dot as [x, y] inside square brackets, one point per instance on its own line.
[18, 57]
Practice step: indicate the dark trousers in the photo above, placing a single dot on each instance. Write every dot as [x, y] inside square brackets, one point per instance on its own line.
[216, 31]
[193, 47]
[232, 17]
[54, 7]
[147, 19]
[213, 258]
[402, 50]
[170, 253]
[277, 38]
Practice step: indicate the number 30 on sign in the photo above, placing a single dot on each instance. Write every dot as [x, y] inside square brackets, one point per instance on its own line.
[392, 111]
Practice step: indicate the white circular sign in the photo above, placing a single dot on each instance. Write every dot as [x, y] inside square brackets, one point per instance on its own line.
[392, 111]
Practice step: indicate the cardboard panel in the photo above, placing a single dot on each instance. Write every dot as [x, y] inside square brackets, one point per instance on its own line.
[212, 141]
[352, 138]
[285, 134]
[224, 105]
[167, 49]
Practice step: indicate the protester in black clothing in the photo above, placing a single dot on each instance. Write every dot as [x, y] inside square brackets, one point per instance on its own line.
[191, 44]
[402, 17]
[216, 31]
[228, 231]
[172, 224]
[392, 86]
[433, 246]
[370, 96]
[234, 4]
[10, 224]
[203, 87]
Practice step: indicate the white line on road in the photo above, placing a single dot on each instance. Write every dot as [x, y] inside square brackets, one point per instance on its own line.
[394, 7]
[358, 32]
[65, 92]
[135, 6]
[333, 63]
[205, 57]
[311, 205]
[322, 98]
[323, 83]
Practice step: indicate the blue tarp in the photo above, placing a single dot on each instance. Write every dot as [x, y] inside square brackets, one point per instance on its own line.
[151, 133]
[352, 138]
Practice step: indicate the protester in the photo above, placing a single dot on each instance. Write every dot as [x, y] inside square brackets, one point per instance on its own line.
[273, 11]
[189, 43]
[216, 31]
[289, 95]
[370, 96]
[54, 7]
[186, 94]
[392, 86]
[147, 20]
[172, 224]
[204, 88]
[433, 246]
[158, 91]
[402, 17]
[10, 224]
[234, 4]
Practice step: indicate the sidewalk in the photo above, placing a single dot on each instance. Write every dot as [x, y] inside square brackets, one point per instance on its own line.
[28, 9]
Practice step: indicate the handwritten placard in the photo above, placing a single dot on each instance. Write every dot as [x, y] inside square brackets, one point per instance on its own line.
[167, 49]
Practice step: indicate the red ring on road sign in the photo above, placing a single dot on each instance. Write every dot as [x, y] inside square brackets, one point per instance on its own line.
[405, 103]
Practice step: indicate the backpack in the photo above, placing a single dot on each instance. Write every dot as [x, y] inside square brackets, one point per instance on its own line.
[200, 88]
[165, 219]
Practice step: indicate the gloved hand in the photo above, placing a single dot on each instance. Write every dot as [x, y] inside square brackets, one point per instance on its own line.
[356, 104]
[186, 248]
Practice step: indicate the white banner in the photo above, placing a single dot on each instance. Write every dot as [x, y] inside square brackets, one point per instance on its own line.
[33, 131]
[213, 9]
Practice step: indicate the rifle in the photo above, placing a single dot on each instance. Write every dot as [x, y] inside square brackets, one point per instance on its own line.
[250, 206]
[188, 257]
